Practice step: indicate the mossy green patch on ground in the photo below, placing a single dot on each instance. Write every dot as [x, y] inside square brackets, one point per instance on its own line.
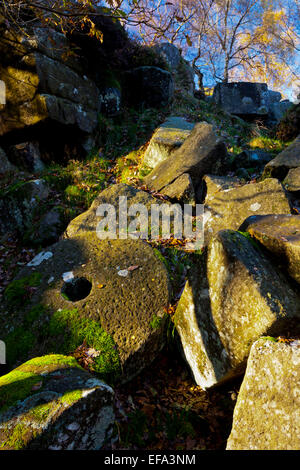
[76, 331]
[19, 291]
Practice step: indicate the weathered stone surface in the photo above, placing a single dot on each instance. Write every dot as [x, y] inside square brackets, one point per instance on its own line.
[41, 85]
[88, 221]
[285, 161]
[266, 416]
[242, 98]
[52, 403]
[182, 189]
[292, 180]
[202, 152]
[169, 52]
[17, 205]
[151, 86]
[232, 297]
[27, 155]
[110, 101]
[278, 109]
[228, 208]
[109, 293]
[280, 234]
[167, 138]
[5, 165]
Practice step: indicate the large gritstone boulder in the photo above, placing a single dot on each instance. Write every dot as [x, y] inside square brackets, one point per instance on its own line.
[266, 416]
[202, 152]
[242, 98]
[228, 203]
[232, 297]
[51, 403]
[167, 138]
[280, 234]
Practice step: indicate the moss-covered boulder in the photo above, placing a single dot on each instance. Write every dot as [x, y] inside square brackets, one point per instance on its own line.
[266, 416]
[232, 297]
[202, 152]
[280, 234]
[52, 403]
[109, 295]
[228, 203]
[292, 181]
[167, 138]
[285, 161]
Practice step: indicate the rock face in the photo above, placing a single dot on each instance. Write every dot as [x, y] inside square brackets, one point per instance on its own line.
[41, 85]
[227, 204]
[266, 416]
[280, 234]
[182, 72]
[167, 138]
[292, 180]
[242, 98]
[169, 52]
[233, 297]
[51, 403]
[110, 294]
[201, 152]
[285, 161]
[149, 86]
[17, 205]
[5, 165]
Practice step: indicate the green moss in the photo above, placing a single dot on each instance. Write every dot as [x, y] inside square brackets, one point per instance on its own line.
[75, 330]
[18, 343]
[156, 322]
[71, 397]
[31, 316]
[251, 239]
[19, 291]
[18, 384]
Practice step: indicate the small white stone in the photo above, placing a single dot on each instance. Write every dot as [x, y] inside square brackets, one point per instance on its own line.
[255, 207]
[123, 273]
[73, 427]
[68, 276]
[43, 256]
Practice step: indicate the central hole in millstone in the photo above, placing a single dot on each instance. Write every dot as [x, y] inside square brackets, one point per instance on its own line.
[76, 289]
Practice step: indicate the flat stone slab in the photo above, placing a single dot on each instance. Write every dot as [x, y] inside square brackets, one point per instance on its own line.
[292, 180]
[233, 296]
[202, 152]
[167, 138]
[88, 221]
[280, 234]
[285, 161]
[228, 203]
[111, 294]
[51, 403]
[267, 412]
